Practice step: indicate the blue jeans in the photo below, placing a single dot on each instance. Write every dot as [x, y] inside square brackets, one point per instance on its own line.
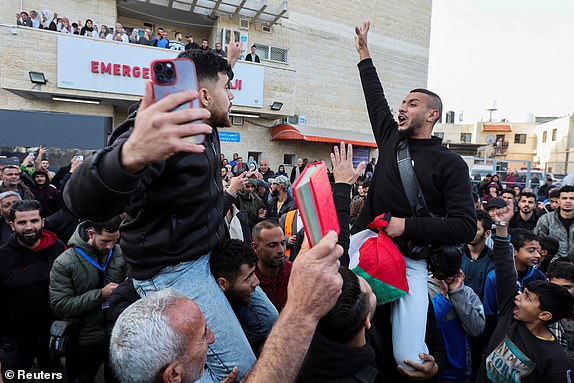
[231, 348]
[409, 315]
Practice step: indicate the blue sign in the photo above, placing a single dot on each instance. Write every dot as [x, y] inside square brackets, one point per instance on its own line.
[229, 137]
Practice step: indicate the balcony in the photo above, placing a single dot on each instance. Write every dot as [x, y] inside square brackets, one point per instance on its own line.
[106, 72]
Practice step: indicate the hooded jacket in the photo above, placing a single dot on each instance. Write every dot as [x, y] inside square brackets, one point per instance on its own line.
[75, 286]
[47, 194]
[175, 208]
[328, 361]
[24, 279]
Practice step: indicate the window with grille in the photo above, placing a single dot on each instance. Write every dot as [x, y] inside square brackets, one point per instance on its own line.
[271, 53]
[544, 136]
[554, 134]
[465, 138]
[520, 138]
[289, 159]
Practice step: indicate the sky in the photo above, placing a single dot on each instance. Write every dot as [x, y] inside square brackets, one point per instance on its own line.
[516, 55]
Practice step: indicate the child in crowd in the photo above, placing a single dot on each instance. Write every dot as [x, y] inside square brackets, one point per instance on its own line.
[548, 249]
[561, 273]
[522, 348]
[526, 256]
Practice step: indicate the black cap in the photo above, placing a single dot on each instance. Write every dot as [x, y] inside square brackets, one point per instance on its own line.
[189, 35]
[496, 202]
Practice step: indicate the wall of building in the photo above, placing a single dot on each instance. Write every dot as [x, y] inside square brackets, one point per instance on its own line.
[555, 155]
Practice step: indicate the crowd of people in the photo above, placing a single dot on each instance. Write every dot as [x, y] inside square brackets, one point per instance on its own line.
[49, 20]
[163, 261]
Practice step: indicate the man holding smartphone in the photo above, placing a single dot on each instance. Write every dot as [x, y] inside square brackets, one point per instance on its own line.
[171, 191]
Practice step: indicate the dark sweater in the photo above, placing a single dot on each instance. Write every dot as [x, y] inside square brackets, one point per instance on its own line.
[24, 279]
[514, 353]
[442, 175]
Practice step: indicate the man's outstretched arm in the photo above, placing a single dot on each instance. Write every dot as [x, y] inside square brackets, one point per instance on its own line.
[314, 287]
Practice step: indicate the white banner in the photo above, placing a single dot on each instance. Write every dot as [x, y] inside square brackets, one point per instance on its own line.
[112, 67]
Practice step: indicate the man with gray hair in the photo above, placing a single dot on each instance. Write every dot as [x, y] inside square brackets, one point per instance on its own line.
[6, 200]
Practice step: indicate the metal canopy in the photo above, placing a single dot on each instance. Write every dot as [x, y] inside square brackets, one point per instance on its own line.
[257, 11]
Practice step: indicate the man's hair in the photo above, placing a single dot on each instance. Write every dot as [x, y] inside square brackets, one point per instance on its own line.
[176, 33]
[549, 244]
[205, 40]
[435, 101]
[507, 190]
[518, 238]
[553, 298]
[554, 193]
[228, 256]
[527, 195]
[566, 189]
[143, 342]
[208, 65]
[110, 226]
[366, 184]
[561, 269]
[7, 194]
[483, 217]
[24, 205]
[263, 225]
[346, 318]
[159, 29]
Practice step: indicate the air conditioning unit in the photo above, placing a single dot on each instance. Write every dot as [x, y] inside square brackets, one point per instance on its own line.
[266, 28]
[293, 120]
[243, 24]
[236, 120]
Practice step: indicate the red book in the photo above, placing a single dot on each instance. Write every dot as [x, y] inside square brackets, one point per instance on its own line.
[314, 199]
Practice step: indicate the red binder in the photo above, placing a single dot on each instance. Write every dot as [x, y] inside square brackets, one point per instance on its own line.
[314, 199]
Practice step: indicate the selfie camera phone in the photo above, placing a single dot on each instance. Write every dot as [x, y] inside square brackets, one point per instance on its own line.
[173, 76]
[80, 158]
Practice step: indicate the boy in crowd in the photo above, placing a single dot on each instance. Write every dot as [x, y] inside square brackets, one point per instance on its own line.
[526, 256]
[561, 273]
[548, 250]
[522, 348]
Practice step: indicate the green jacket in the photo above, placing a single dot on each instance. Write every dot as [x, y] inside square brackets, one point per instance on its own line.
[75, 286]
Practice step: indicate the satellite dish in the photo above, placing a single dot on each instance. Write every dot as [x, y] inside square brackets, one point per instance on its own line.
[490, 140]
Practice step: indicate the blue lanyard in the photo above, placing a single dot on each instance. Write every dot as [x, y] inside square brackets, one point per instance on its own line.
[89, 259]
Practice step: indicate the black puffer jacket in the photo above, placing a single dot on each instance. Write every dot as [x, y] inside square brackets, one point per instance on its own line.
[174, 207]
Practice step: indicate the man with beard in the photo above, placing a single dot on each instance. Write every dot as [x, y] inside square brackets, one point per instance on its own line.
[81, 281]
[525, 217]
[249, 202]
[281, 201]
[172, 192]
[233, 265]
[25, 263]
[558, 224]
[45, 193]
[273, 269]
[445, 185]
[6, 201]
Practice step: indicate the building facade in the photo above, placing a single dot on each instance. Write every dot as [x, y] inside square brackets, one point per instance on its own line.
[303, 97]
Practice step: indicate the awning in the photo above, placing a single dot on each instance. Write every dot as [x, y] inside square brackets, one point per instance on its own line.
[290, 132]
[496, 127]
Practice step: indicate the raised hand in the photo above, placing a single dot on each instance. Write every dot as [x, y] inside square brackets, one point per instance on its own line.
[233, 50]
[361, 33]
[342, 161]
[158, 131]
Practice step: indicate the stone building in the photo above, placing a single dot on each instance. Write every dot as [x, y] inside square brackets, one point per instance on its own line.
[304, 96]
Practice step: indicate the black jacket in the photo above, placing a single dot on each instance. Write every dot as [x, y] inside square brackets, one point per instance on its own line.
[442, 175]
[328, 361]
[288, 205]
[174, 208]
[24, 279]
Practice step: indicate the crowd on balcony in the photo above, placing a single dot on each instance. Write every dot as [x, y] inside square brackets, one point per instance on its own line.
[49, 20]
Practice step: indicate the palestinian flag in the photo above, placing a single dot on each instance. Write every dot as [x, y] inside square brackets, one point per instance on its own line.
[375, 257]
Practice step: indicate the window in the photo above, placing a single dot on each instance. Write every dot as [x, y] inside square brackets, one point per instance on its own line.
[289, 159]
[520, 138]
[271, 53]
[544, 136]
[554, 134]
[439, 135]
[465, 138]
[255, 156]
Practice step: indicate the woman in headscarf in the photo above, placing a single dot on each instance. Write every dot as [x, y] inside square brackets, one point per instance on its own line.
[66, 26]
[281, 171]
[48, 20]
[88, 30]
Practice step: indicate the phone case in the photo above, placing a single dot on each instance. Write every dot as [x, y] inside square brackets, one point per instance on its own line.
[185, 79]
